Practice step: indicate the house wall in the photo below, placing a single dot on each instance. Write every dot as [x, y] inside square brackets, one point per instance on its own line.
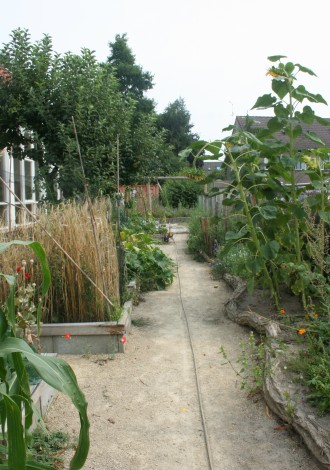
[19, 176]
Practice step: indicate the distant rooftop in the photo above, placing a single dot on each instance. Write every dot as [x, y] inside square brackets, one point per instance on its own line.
[301, 143]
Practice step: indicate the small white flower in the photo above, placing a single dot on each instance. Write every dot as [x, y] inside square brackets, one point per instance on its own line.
[23, 262]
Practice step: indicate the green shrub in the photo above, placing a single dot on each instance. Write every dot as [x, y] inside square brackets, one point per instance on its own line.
[145, 261]
[210, 234]
[47, 448]
[196, 241]
[233, 262]
[182, 191]
[318, 379]
[162, 212]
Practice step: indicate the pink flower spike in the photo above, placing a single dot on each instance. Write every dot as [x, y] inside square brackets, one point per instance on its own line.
[67, 336]
[123, 339]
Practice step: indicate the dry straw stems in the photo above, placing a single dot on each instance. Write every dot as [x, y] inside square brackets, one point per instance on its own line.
[72, 298]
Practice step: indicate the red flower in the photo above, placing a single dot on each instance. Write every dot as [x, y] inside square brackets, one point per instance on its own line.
[27, 276]
[123, 339]
[67, 336]
[282, 311]
[18, 269]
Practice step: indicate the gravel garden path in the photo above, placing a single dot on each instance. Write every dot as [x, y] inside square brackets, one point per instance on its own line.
[143, 405]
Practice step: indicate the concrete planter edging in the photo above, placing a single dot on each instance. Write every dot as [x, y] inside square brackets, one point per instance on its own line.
[87, 338]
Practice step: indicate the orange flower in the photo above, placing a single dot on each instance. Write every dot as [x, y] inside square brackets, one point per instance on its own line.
[282, 311]
[302, 331]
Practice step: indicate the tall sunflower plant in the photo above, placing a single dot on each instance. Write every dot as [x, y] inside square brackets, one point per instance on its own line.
[259, 167]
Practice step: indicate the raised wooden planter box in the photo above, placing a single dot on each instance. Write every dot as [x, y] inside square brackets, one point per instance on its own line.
[87, 338]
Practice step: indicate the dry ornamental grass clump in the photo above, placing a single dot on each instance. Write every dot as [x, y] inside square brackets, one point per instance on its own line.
[71, 298]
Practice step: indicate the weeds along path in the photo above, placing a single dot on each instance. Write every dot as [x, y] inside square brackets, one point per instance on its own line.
[143, 405]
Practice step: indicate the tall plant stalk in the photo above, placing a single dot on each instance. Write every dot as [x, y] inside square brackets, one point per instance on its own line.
[292, 154]
[251, 227]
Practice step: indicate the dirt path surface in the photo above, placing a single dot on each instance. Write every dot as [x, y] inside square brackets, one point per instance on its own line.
[143, 405]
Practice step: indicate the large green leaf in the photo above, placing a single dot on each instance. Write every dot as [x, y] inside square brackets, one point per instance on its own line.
[289, 68]
[270, 249]
[275, 58]
[322, 121]
[274, 124]
[305, 69]
[254, 265]
[251, 137]
[325, 215]
[281, 111]
[264, 102]
[24, 387]
[16, 443]
[296, 131]
[314, 137]
[57, 373]
[236, 235]
[280, 87]
[3, 324]
[300, 93]
[268, 212]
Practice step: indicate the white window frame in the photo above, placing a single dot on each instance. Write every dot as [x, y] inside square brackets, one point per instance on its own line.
[10, 203]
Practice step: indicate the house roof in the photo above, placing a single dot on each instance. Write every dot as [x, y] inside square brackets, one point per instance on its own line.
[301, 143]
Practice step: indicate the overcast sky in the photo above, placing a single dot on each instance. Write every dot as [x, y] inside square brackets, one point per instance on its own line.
[212, 53]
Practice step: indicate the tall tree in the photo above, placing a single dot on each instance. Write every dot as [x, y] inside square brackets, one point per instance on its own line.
[132, 78]
[142, 155]
[38, 101]
[176, 121]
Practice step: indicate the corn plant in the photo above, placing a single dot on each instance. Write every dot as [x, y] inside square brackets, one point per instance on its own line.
[16, 405]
